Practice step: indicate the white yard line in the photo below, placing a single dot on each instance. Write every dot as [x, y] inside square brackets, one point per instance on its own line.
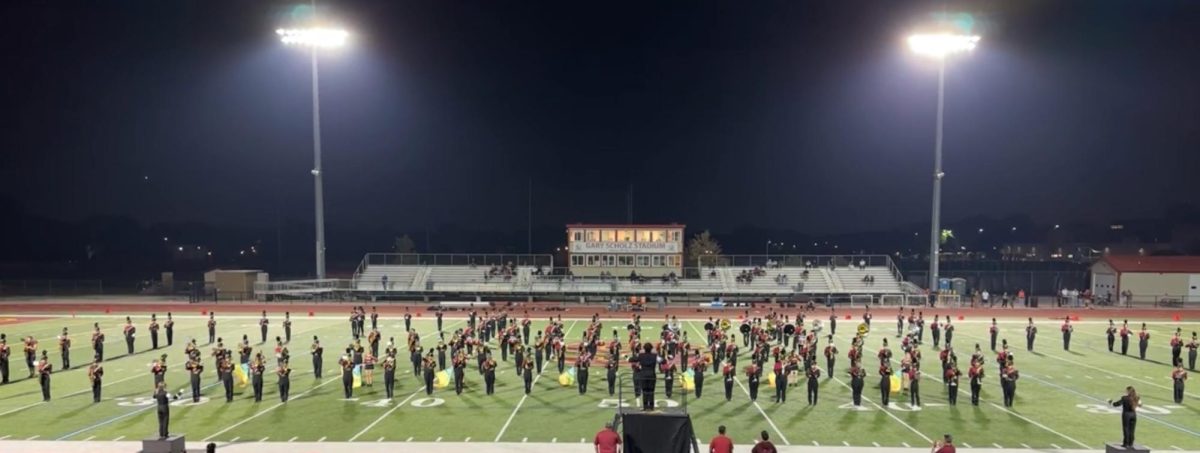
[322, 439]
[6, 436]
[846, 443]
[889, 413]
[966, 445]
[89, 438]
[438, 439]
[385, 414]
[235, 439]
[1026, 446]
[264, 439]
[905, 444]
[1039, 425]
[1056, 447]
[876, 444]
[118, 438]
[815, 444]
[264, 411]
[467, 439]
[379, 440]
[747, 391]
[996, 445]
[35, 436]
[520, 403]
[408, 440]
[293, 439]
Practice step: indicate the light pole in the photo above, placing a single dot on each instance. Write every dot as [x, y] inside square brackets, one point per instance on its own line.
[316, 38]
[939, 46]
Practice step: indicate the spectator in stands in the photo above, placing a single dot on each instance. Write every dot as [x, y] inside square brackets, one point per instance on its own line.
[607, 440]
[946, 445]
[862, 264]
[808, 264]
[712, 274]
[720, 443]
[384, 279]
[764, 445]
[804, 275]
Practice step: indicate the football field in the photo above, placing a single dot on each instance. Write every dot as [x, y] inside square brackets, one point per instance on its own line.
[1060, 402]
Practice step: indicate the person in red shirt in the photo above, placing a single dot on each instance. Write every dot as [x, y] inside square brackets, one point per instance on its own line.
[607, 440]
[946, 445]
[720, 443]
[764, 445]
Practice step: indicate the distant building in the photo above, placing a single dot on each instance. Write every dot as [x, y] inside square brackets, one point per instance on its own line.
[648, 250]
[1147, 276]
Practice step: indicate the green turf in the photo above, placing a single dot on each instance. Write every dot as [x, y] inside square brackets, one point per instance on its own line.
[1055, 405]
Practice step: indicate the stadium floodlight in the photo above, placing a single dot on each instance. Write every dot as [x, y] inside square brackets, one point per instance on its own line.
[941, 45]
[315, 37]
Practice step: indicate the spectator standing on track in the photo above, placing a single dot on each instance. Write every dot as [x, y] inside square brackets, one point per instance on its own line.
[764, 445]
[946, 445]
[720, 443]
[985, 296]
[607, 440]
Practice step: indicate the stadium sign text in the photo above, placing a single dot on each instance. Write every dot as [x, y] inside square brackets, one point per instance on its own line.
[624, 247]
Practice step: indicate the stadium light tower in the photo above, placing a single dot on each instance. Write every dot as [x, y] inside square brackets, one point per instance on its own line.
[316, 39]
[939, 46]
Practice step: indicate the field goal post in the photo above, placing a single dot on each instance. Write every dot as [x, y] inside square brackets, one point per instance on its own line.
[892, 300]
[861, 299]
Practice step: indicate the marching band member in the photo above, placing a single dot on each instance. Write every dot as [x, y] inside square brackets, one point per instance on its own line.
[95, 375]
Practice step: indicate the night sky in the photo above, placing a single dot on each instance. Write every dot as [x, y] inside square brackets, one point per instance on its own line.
[810, 116]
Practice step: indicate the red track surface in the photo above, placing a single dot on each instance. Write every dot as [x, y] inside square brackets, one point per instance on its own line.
[573, 310]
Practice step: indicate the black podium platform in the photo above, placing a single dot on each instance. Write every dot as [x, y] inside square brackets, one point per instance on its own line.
[173, 444]
[658, 432]
[1111, 447]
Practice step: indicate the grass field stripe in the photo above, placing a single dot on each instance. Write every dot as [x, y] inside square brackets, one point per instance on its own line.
[889, 413]
[1043, 354]
[19, 409]
[385, 414]
[508, 422]
[1172, 425]
[269, 409]
[1039, 425]
[402, 403]
[747, 391]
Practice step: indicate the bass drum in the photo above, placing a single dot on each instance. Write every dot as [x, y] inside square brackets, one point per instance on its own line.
[745, 328]
[708, 326]
[789, 329]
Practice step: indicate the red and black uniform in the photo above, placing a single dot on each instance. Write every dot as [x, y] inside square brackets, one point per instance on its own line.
[1067, 328]
[1143, 342]
[976, 376]
[814, 377]
[1008, 384]
[951, 378]
[857, 376]
[1179, 377]
[885, 383]
[1124, 332]
[831, 352]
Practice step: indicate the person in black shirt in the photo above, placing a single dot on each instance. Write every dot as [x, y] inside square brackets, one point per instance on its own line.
[645, 363]
[317, 352]
[164, 409]
[1129, 404]
[285, 381]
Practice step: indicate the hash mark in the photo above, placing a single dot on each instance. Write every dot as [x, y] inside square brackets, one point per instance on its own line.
[1056, 447]
[997, 445]
[966, 445]
[264, 439]
[438, 439]
[467, 439]
[876, 444]
[905, 444]
[322, 439]
[408, 440]
[85, 440]
[118, 438]
[815, 444]
[846, 443]
[35, 436]
[235, 439]
[379, 440]
[293, 439]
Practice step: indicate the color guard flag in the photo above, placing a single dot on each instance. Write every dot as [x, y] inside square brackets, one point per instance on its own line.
[357, 376]
[241, 372]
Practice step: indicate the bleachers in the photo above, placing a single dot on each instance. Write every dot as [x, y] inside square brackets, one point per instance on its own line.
[417, 277]
[400, 278]
[851, 279]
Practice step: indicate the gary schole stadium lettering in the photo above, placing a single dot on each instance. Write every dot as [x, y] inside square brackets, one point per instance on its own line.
[621, 246]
